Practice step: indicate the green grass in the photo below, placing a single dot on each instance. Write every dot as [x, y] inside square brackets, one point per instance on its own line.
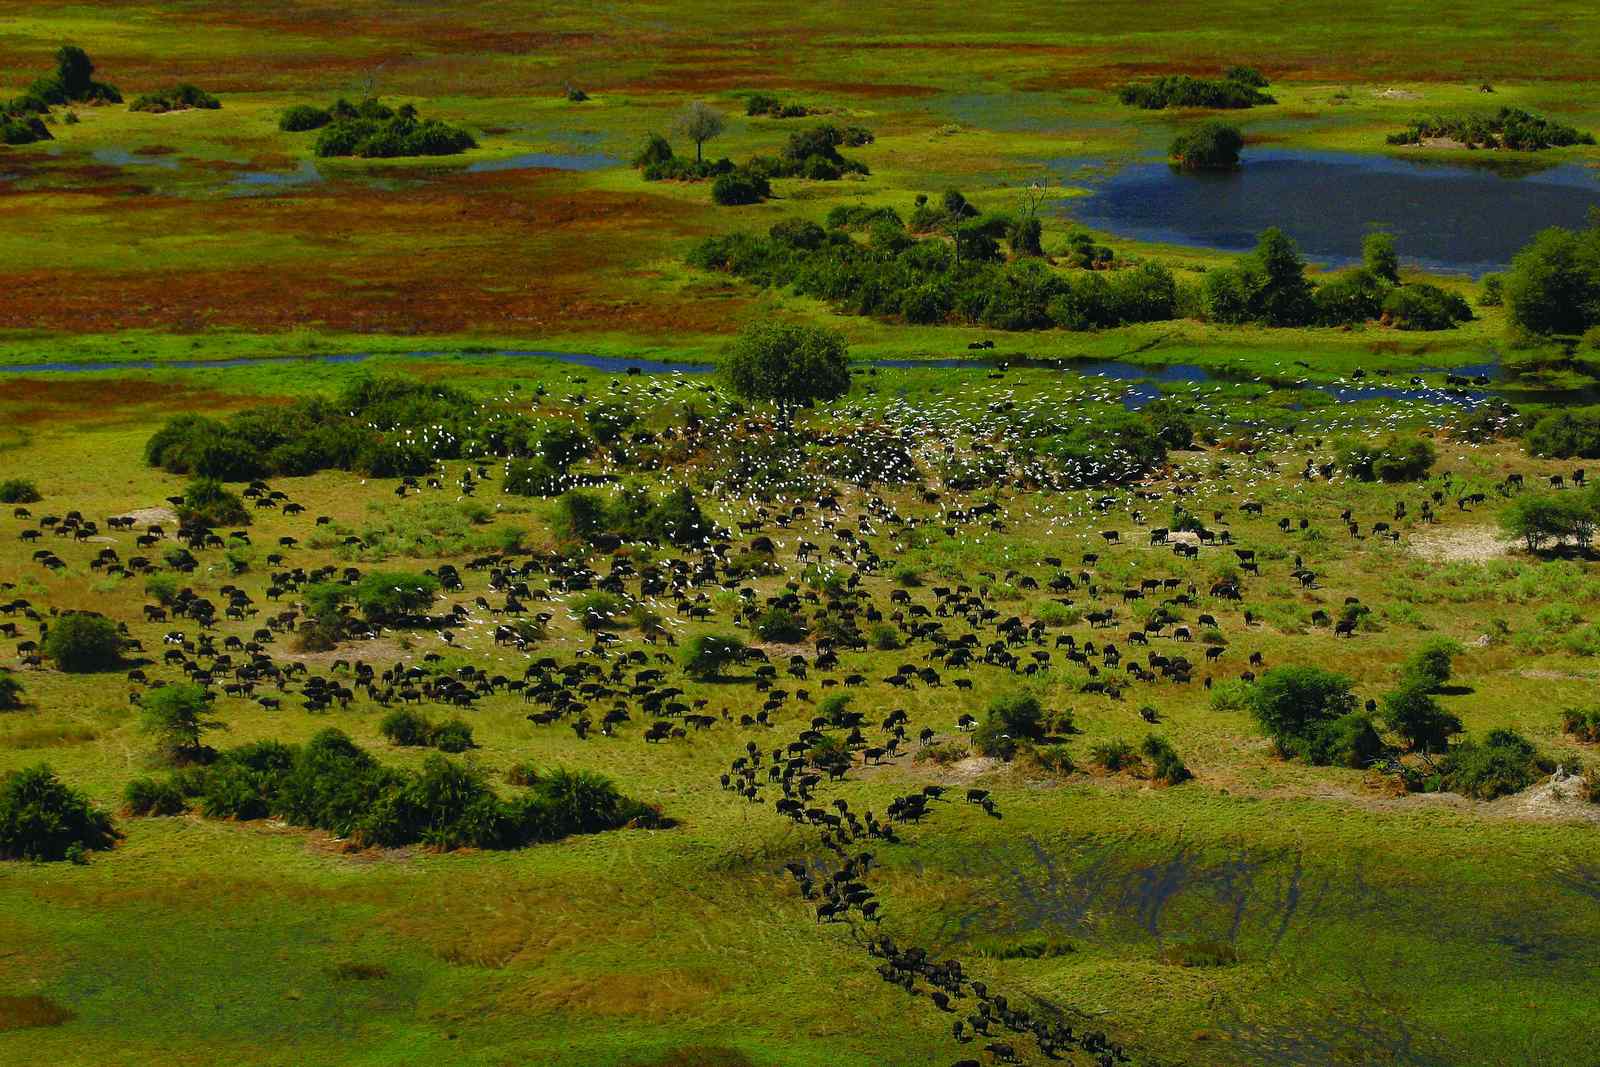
[1368, 927]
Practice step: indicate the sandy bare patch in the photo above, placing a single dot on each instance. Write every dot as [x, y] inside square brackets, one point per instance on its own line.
[381, 650]
[1558, 797]
[1472, 544]
[152, 516]
[1397, 94]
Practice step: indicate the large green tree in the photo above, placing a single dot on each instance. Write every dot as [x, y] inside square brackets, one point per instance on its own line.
[789, 364]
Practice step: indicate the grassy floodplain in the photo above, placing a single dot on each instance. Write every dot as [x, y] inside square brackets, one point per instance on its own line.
[1351, 921]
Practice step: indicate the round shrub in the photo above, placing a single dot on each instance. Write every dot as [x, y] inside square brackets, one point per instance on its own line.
[789, 364]
[740, 187]
[303, 117]
[18, 491]
[42, 819]
[780, 624]
[80, 642]
[10, 691]
[406, 727]
[1209, 146]
[453, 736]
[148, 796]
[706, 656]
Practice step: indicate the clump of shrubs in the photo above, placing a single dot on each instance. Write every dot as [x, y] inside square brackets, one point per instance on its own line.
[631, 514]
[373, 130]
[43, 819]
[1166, 766]
[1239, 87]
[22, 119]
[1209, 146]
[331, 783]
[765, 104]
[413, 729]
[1012, 721]
[1504, 762]
[708, 656]
[1509, 128]
[1582, 723]
[1399, 459]
[1311, 713]
[181, 97]
[19, 491]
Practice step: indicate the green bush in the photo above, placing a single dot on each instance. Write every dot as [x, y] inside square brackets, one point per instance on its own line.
[1430, 666]
[18, 491]
[1348, 741]
[1565, 434]
[1267, 287]
[1293, 704]
[707, 656]
[599, 610]
[884, 637]
[1510, 128]
[1502, 763]
[10, 690]
[147, 796]
[42, 819]
[1209, 146]
[1419, 306]
[1553, 286]
[654, 150]
[1165, 765]
[453, 736]
[1418, 719]
[176, 716]
[406, 727]
[206, 503]
[1115, 756]
[1011, 720]
[372, 130]
[780, 624]
[180, 97]
[303, 117]
[740, 187]
[394, 597]
[79, 642]
[1398, 459]
[788, 364]
[1239, 88]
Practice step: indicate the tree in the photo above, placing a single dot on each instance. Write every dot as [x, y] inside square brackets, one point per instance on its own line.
[1293, 703]
[1429, 667]
[789, 364]
[1210, 146]
[391, 596]
[1268, 286]
[1011, 719]
[1539, 518]
[1379, 257]
[1418, 719]
[1396, 460]
[1553, 286]
[176, 716]
[80, 642]
[1565, 434]
[1285, 296]
[207, 503]
[562, 444]
[75, 70]
[707, 655]
[700, 123]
